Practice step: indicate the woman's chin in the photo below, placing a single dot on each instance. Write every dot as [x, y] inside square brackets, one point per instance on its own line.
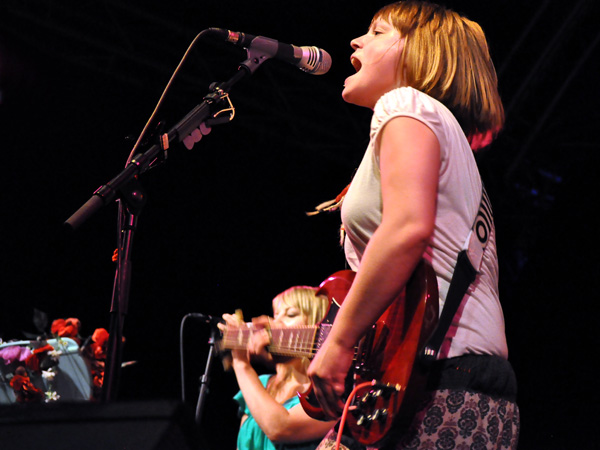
[351, 97]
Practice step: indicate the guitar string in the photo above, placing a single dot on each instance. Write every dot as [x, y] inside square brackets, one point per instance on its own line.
[303, 333]
[303, 345]
[232, 344]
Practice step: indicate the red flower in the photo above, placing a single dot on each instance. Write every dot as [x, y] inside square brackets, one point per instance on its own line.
[99, 344]
[96, 351]
[98, 374]
[34, 360]
[66, 328]
[25, 391]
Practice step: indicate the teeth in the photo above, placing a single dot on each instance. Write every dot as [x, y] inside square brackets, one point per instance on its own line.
[355, 63]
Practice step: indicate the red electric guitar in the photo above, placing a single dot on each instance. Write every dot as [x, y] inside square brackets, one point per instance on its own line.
[387, 354]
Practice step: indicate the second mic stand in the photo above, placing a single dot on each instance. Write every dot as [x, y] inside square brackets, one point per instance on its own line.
[205, 378]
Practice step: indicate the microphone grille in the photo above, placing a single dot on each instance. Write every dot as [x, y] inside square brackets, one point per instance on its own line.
[315, 61]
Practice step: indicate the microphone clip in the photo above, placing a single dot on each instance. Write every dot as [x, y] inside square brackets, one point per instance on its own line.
[260, 50]
[208, 319]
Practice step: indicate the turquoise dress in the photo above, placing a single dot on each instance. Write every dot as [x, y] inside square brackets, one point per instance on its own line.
[251, 437]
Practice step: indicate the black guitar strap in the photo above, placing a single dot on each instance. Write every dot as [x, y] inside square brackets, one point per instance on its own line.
[467, 266]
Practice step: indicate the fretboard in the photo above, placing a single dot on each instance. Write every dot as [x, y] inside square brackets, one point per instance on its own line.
[301, 341]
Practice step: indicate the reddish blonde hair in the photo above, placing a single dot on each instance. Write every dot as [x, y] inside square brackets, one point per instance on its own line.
[446, 56]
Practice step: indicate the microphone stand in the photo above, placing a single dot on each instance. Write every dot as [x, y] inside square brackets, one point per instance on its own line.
[127, 188]
[205, 378]
[134, 197]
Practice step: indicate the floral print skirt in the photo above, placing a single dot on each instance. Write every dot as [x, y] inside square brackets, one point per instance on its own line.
[451, 419]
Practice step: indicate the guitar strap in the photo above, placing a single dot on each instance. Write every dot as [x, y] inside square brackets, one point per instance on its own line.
[467, 266]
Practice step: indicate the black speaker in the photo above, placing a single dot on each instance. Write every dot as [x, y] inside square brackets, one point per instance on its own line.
[156, 425]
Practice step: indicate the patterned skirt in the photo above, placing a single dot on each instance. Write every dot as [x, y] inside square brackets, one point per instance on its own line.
[457, 418]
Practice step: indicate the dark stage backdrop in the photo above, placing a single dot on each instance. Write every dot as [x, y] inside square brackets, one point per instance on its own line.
[225, 226]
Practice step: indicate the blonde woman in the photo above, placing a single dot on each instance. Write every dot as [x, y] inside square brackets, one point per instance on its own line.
[426, 73]
[271, 417]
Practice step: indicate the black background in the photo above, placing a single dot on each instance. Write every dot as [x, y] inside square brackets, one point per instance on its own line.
[224, 226]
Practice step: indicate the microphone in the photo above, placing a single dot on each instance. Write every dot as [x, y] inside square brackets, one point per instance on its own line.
[206, 318]
[225, 355]
[312, 60]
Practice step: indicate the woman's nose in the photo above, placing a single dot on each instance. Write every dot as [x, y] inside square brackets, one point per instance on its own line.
[356, 43]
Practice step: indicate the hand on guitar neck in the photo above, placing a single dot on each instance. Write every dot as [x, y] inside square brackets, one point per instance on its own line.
[247, 341]
[271, 400]
[267, 341]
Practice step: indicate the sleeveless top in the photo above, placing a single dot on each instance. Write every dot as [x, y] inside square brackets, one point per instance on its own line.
[250, 435]
[479, 327]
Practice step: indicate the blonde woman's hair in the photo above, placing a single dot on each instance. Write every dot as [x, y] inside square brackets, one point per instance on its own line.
[312, 306]
[446, 56]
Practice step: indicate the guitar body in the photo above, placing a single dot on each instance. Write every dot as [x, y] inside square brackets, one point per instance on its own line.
[388, 355]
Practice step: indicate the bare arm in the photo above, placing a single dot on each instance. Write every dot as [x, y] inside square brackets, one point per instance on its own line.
[409, 162]
[278, 423]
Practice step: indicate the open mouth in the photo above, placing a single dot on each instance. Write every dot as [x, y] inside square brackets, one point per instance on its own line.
[355, 63]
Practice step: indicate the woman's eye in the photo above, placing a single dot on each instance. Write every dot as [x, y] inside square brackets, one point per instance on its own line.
[292, 312]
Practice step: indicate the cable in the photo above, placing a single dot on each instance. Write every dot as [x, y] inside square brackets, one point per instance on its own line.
[181, 358]
[162, 97]
[338, 440]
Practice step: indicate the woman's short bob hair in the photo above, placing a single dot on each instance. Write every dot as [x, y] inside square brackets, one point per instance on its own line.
[312, 306]
[446, 56]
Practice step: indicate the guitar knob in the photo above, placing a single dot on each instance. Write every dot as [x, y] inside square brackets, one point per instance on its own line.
[362, 421]
[368, 399]
[380, 415]
[391, 389]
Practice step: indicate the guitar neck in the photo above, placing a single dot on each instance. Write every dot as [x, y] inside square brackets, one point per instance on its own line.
[290, 341]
